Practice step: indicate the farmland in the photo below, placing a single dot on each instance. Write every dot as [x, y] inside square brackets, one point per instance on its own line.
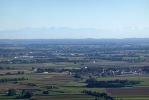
[74, 70]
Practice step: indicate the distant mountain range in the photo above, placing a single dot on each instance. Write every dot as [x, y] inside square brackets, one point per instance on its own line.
[52, 33]
[76, 41]
[76, 33]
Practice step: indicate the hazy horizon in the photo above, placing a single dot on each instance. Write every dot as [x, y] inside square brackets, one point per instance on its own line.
[78, 19]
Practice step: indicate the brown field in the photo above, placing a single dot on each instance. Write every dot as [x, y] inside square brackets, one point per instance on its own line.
[64, 97]
[13, 71]
[136, 91]
[7, 86]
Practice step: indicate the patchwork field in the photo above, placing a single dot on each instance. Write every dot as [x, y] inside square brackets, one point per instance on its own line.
[104, 71]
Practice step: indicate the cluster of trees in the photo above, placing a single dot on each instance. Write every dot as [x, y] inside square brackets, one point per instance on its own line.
[18, 73]
[45, 92]
[99, 96]
[23, 94]
[11, 92]
[6, 68]
[146, 69]
[5, 80]
[110, 84]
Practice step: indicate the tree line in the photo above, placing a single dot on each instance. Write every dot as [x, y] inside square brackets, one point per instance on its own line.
[5, 80]
[99, 96]
[110, 84]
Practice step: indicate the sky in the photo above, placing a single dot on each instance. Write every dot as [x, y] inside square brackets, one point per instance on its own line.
[52, 19]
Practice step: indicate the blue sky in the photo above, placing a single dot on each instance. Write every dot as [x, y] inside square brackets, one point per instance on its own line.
[74, 19]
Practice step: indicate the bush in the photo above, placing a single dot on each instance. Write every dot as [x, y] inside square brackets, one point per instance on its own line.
[45, 92]
[26, 94]
[11, 92]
